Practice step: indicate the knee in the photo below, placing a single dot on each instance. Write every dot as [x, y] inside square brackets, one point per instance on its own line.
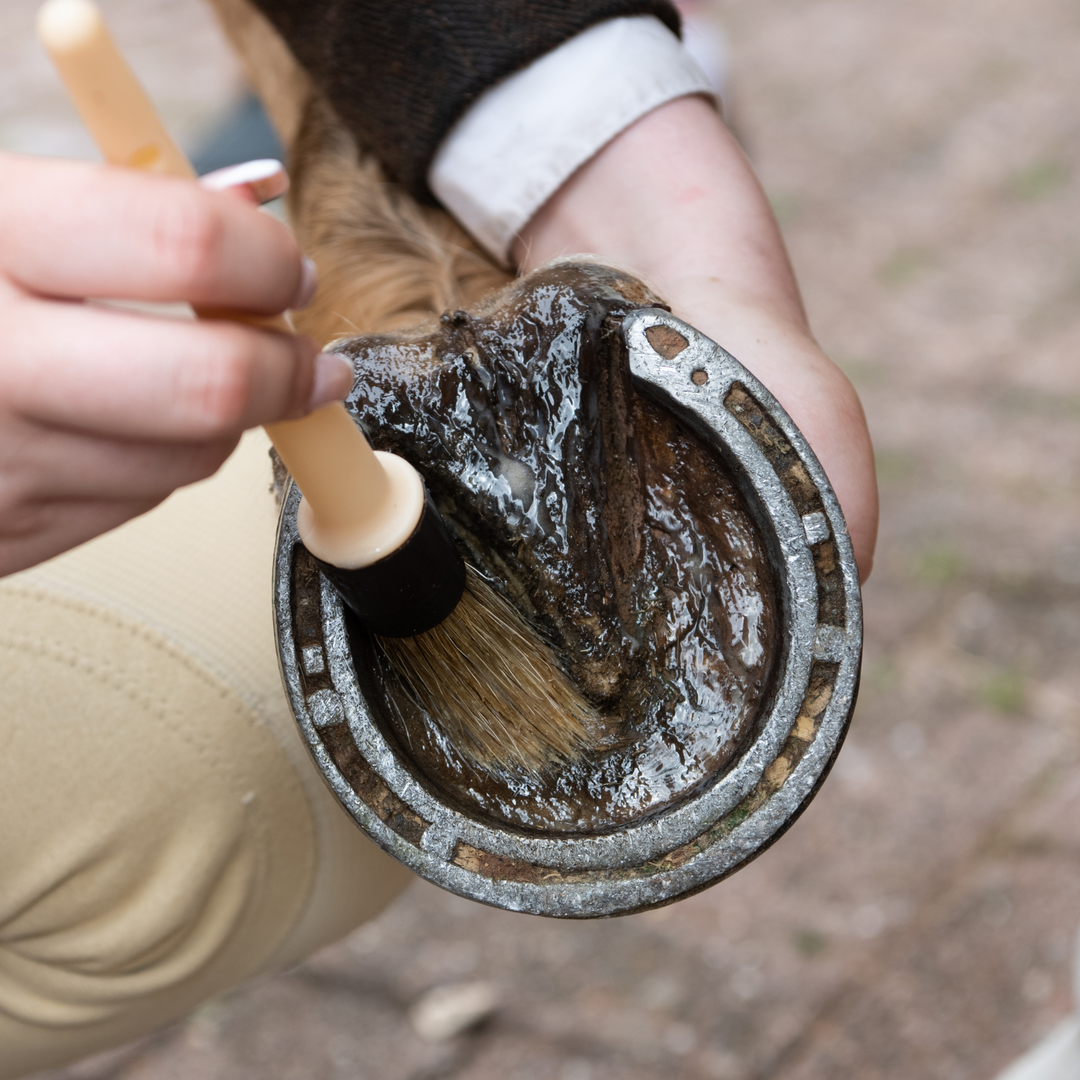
[158, 846]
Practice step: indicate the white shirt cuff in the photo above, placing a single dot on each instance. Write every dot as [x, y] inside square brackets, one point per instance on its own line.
[521, 139]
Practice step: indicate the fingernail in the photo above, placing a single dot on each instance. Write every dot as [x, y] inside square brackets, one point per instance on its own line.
[333, 380]
[265, 178]
[309, 284]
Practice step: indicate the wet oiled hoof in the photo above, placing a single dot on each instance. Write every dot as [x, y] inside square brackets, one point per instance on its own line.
[647, 505]
[611, 527]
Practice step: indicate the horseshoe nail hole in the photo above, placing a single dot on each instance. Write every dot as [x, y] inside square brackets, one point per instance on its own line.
[699, 377]
[666, 341]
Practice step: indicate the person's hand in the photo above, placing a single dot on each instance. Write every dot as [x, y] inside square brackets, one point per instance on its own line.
[104, 412]
[674, 200]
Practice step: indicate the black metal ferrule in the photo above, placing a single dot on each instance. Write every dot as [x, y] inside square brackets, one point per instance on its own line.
[410, 590]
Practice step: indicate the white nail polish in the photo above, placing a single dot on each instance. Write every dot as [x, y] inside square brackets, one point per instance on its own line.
[333, 380]
[309, 285]
[265, 177]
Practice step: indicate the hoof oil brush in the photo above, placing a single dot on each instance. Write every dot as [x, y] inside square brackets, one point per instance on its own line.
[464, 652]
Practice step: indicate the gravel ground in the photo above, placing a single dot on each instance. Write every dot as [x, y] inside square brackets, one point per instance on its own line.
[918, 920]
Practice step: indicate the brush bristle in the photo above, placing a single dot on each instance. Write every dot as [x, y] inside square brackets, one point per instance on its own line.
[493, 687]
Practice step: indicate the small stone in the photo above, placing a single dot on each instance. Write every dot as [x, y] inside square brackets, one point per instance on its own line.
[445, 1011]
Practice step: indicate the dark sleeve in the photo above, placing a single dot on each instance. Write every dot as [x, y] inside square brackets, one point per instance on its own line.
[401, 72]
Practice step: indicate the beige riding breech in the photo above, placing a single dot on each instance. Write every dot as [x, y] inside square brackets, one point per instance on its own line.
[164, 835]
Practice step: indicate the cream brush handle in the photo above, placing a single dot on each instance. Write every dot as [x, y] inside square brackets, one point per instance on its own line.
[360, 505]
[106, 93]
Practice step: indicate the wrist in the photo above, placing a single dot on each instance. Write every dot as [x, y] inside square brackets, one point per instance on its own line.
[673, 199]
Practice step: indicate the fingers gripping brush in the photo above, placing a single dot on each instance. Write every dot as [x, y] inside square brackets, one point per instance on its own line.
[468, 657]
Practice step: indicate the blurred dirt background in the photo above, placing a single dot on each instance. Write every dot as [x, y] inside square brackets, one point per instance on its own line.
[924, 161]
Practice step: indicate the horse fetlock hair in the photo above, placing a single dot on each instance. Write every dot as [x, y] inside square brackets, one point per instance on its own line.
[385, 261]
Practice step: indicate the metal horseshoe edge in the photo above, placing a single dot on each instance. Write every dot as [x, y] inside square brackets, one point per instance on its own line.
[706, 836]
